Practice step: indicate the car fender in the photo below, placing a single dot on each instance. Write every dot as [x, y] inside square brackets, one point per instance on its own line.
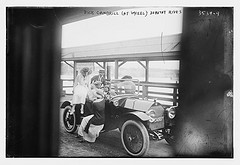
[141, 115]
[65, 103]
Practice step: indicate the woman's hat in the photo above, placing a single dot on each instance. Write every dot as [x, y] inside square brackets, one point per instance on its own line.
[86, 70]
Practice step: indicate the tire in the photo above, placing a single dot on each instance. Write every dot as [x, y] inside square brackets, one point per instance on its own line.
[69, 121]
[135, 138]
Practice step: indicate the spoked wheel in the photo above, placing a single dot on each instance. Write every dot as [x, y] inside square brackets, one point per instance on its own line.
[135, 138]
[69, 120]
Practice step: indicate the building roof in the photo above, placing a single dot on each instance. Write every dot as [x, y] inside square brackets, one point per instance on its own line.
[155, 48]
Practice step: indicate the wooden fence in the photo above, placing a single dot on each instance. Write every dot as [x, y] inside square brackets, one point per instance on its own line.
[165, 93]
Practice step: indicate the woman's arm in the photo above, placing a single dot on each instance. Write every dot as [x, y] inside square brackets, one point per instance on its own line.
[89, 82]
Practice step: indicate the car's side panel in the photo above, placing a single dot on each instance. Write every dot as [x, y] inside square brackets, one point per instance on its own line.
[142, 105]
[140, 115]
[134, 103]
[65, 103]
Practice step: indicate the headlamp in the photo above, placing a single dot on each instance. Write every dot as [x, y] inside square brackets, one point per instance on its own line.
[171, 112]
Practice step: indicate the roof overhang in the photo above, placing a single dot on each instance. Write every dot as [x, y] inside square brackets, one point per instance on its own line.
[155, 48]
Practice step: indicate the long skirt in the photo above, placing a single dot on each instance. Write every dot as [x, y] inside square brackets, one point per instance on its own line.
[80, 94]
[93, 131]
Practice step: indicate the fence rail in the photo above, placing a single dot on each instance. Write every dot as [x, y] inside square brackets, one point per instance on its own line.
[168, 98]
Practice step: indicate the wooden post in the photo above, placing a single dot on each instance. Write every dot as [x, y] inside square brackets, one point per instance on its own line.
[174, 96]
[144, 91]
[74, 70]
[145, 88]
[108, 72]
[104, 65]
[74, 73]
[116, 69]
[147, 71]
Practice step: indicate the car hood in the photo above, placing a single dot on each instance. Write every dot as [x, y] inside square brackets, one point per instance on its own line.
[136, 104]
[133, 102]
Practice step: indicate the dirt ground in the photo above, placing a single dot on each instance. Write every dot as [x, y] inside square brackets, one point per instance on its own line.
[107, 145]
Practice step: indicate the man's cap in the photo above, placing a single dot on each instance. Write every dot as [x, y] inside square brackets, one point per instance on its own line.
[127, 77]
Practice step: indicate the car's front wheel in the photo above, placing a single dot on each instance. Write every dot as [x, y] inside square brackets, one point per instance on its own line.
[69, 120]
[135, 138]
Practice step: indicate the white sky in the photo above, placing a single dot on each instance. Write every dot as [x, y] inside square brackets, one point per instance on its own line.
[112, 28]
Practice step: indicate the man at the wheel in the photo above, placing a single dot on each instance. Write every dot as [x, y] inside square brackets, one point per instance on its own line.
[128, 86]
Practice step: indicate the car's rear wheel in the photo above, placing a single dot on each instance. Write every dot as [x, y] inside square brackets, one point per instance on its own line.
[69, 120]
[135, 138]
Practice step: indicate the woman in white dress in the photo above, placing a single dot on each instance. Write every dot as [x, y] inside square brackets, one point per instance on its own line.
[80, 88]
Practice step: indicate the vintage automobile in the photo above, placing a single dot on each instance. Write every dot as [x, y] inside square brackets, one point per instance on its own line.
[139, 120]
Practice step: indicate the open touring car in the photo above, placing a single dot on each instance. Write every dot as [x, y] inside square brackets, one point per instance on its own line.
[139, 120]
